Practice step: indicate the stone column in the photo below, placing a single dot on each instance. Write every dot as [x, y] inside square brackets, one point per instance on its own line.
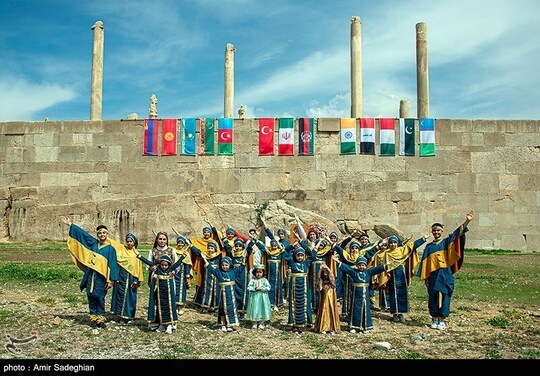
[228, 109]
[422, 72]
[356, 67]
[96, 90]
[404, 108]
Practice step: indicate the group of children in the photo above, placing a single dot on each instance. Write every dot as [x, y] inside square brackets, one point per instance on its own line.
[314, 274]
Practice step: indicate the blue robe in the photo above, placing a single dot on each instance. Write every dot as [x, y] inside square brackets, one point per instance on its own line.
[124, 295]
[226, 302]
[242, 280]
[360, 312]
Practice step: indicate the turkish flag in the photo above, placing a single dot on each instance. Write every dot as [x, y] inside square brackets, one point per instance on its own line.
[266, 136]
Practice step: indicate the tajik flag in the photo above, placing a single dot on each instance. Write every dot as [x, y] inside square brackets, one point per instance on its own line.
[348, 135]
[168, 142]
[306, 136]
[266, 136]
[225, 136]
[150, 137]
[387, 135]
[187, 136]
[367, 136]
[286, 136]
[427, 137]
[406, 137]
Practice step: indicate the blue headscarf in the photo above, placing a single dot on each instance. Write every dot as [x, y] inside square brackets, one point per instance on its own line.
[393, 238]
[181, 238]
[207, 229]
[273, 241]
[212, 244]
[355, 243]
[134, 238]
[361, 260]
[230, 230]
[227, 260]
[165, 258]
[239, 242]
[281, 231]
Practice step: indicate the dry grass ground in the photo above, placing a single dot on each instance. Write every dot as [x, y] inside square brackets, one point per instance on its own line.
[56, 313]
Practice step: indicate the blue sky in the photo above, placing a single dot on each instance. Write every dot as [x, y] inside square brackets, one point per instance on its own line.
[292, 57]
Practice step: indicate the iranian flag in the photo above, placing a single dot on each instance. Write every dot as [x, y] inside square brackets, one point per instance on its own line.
[306, 136]
[387, 136]
[406, 137]
[225, 136]
[367, 136]
[286, 136]
[150, 137]
[427, 137]
[266, 136]
[348, 135]
[168, 142]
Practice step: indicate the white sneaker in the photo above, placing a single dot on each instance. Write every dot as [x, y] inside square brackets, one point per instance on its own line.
[442, 325]
[275, 308]
[261, 325]
[352, 331]
[254, 326]
[434, 323]
[174, 327]
[332, 333]
[169, 329]
[224, 328]
[229, 329]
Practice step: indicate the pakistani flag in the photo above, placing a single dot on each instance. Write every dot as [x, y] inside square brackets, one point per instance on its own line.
[348, 135]
[427, 137]
[406, 137]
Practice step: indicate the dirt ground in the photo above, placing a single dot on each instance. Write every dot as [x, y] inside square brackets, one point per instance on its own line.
[52, 319]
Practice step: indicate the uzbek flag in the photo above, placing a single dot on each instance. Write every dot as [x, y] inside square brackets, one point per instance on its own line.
[367, 136]
[427, 137]
[225, 136]
[348, 135]
[150, 137]
[207, 136]
[306, 136]
[406, 137]
[187, 139]
[168, 132]
[387, 137]
[286, 136]
[266, 136]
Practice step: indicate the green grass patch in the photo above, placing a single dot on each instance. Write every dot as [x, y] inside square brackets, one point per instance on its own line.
[38, 272]
[412, 355]
[499, 322]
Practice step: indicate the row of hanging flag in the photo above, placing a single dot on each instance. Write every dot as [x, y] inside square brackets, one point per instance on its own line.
[186, 141]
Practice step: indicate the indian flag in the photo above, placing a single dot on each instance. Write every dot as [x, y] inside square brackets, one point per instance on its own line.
[427, 137]
[348, 135]
[286, 136]
[387, 136]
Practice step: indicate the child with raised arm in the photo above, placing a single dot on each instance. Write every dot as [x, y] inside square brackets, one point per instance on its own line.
[259, 309]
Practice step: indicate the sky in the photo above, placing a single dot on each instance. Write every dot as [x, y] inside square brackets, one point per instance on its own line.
[292, 58]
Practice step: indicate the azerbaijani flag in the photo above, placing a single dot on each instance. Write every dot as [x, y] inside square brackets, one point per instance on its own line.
[286, 136]
[348, 135]
[187, 139]
[168, 132]
[427, 137]
[266, 136]
[150, 138]
[207, 136]
[225, 136]
[306, 136]
[367, 136]
[387, 134]
[406, 137]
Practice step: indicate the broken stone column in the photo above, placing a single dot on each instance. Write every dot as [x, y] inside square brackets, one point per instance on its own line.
[96, 90]
[356, 68]
[422, 72]
[229, 81]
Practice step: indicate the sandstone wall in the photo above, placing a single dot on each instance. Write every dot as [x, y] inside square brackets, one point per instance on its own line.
[94, 171]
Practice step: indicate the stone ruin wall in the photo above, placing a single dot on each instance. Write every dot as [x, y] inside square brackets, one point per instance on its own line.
[94, 171]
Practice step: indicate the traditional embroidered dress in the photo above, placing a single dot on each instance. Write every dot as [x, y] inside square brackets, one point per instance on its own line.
[327, 319]
[162, 298]
[440, 260]
[324, 256]
[397, 277]
[240, 256]
[99, 263]
[130, 275]
[275, 261]
[360, 317]
[300, 294]
[258, 305]
[181, 280]
[206, 287]
[226, 302]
